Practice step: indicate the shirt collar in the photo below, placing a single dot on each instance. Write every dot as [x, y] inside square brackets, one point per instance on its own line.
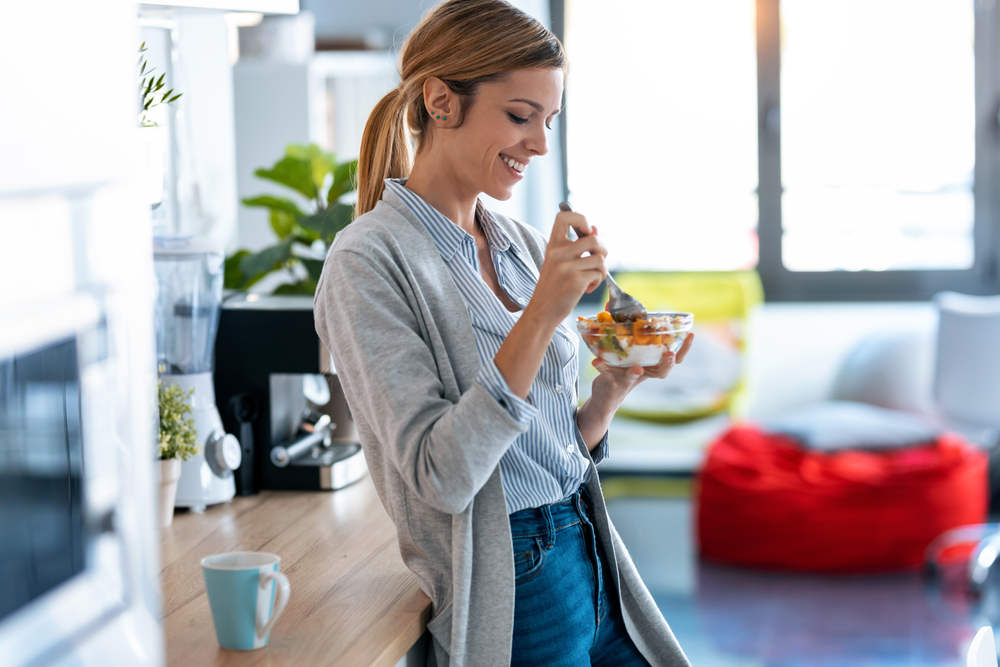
[448, 236]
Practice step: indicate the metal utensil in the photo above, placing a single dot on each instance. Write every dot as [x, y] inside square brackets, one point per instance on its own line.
[622, 306]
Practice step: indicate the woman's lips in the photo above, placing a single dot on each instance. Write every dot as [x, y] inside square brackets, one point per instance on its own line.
[513, 166]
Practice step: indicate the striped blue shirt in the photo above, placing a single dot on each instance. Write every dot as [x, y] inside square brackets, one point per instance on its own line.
[544, 464]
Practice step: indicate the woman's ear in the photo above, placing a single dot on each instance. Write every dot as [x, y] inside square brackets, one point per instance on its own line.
[440, 101]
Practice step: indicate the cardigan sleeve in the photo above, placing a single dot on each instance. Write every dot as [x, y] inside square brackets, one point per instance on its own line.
[493, 381]
[444, 450]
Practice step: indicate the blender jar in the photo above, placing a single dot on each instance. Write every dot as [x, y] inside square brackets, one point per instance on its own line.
[189, 276]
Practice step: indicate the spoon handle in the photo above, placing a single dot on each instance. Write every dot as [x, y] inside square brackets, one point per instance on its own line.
[613, 287]
[616, 291]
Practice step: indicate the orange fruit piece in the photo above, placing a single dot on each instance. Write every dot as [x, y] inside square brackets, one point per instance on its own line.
[645, 333]
[604, 316]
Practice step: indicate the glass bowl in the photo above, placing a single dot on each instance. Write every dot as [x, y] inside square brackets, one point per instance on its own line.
[639, 343]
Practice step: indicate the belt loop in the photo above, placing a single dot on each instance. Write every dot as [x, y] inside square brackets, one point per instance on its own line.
[550, 527]
[578, 504]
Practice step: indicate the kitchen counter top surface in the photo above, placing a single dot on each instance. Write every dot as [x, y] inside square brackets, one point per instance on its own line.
[353, 602]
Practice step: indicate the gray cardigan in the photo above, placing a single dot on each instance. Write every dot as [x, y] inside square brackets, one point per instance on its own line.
[404, 348]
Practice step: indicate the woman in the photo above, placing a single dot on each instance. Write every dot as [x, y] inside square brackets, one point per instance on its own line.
[446, 326]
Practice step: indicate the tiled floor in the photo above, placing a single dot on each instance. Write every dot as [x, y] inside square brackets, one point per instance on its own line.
[729, 617]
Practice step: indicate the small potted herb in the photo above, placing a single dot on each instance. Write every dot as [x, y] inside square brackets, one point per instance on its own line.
[178, 442]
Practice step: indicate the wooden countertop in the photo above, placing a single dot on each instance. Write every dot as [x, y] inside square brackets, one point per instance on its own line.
[353, 602]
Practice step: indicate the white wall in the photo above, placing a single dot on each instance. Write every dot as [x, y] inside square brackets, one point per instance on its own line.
[381, 20]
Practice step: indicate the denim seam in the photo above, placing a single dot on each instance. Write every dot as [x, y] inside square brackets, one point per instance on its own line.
[543, 533]
[536, 569]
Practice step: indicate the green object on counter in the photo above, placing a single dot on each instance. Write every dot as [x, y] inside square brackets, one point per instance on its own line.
[304, 232]
[178, 438]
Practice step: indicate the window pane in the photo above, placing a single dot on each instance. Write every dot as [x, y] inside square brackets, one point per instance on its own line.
[877, 134]
[662, 130]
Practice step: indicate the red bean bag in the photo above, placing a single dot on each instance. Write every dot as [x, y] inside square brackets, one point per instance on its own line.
[767, 502]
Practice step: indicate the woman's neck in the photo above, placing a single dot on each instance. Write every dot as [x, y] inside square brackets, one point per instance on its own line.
[438, 185]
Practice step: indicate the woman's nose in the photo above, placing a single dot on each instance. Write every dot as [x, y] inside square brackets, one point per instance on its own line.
[537, 141]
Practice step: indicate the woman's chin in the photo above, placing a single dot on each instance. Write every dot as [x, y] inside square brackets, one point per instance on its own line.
[501, 193]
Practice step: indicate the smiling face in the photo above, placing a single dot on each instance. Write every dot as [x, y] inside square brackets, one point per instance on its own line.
[505, 128]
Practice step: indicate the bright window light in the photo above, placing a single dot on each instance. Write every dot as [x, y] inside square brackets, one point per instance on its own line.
[877, 134]
[662, 130]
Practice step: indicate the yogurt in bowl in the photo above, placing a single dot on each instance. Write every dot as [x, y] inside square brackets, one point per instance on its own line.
[638, 343]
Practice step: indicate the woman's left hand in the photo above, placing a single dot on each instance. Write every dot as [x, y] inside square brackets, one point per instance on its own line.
[615, 383]
[612, 386]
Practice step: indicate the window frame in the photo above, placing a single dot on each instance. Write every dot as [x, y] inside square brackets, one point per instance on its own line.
[783, 285]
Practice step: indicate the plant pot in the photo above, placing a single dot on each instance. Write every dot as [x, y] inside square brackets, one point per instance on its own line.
[170, 472]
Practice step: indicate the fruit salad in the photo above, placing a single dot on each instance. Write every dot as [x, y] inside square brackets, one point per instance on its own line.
[638, 343]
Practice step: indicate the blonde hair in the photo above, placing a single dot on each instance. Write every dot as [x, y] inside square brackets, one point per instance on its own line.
[464, 43]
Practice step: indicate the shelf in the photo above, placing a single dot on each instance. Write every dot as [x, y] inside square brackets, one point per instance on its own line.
[263, 6]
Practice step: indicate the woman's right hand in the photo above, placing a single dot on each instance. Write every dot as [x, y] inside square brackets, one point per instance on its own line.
[570, 268]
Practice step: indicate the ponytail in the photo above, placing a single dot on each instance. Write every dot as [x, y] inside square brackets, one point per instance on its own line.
[385, 150]
[464, 43]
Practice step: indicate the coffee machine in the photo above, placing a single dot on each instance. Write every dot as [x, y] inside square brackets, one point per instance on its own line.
[278, 391]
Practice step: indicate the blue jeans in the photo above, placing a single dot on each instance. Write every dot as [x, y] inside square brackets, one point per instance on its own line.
[566, 611]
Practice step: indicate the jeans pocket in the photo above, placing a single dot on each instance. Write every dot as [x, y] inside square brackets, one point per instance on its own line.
[529, 558]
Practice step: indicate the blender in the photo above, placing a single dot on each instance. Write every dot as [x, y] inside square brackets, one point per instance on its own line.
[189, 275]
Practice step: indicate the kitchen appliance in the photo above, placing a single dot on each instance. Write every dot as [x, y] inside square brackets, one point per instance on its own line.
[278, 390]
[189, 273]
[76, 441]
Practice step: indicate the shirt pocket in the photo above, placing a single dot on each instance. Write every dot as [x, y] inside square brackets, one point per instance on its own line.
[566, 346]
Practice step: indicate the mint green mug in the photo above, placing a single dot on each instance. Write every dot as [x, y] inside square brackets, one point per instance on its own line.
[241, 588]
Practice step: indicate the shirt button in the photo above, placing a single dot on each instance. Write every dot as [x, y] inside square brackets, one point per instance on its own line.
[570, 448]
[559, 389]
[522, 302]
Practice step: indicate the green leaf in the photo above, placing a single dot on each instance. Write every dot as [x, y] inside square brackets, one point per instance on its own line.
[233, 278]
[159, 81]
[174, 98]
[305, 236]
[260, 264]
[313, 266]
[322, 163]
[344, 181]
[282, 222]
[291, 172]
[304, 286]
[327, 223]
[275, 203]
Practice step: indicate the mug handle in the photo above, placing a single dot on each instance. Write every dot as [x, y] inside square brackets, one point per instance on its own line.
[284, 590]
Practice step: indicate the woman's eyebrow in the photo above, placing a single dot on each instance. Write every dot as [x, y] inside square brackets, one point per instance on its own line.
[534, 105]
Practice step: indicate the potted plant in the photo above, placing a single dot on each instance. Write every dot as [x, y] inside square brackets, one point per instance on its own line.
[304, 232]
[152, 138]
[178, 442]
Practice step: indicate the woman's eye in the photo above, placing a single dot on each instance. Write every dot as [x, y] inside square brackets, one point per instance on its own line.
[516, 119]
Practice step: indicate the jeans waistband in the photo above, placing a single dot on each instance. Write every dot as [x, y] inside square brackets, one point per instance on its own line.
[539, 520]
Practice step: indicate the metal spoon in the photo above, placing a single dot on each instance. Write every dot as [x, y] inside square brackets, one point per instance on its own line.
[622, 306]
